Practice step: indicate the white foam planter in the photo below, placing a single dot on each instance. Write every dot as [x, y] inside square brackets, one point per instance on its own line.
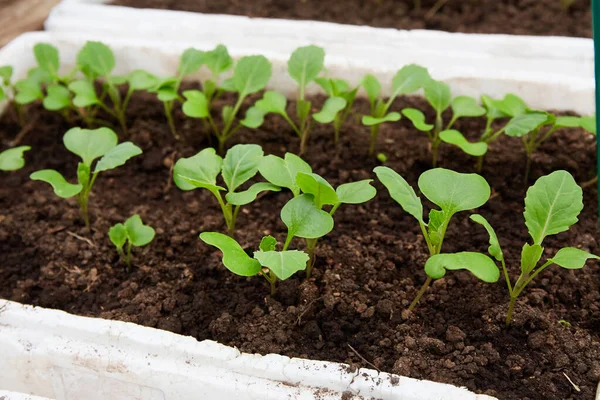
[548, 72]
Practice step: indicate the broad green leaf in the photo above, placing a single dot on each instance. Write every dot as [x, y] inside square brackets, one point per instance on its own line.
[249, 195]
[332, 106]
[28, 91]
[228, 85]
[116, 80]
[199, 171]
[240, 164]
[588, 123]
[235, 258]
[356, 192]
[12, 159]
[166, 89]
[572, 258]
[272, 102]
[491, 105]
[327, 86]
[567, 122]
[90, 144]
[138, 233]
[117, 156]
[97, 57]
[368, 120]
[371, 86]
[282, 171]
[512, 105]
[190, 62]
[251, 74]
[166, 94]
[38, 75]
[304, 219]
[456, 138]
[6, 72]
[523, 124]
[494, 249]
[437, 95]
[268, 243]
[465, 106]
[282, 263]
[417, 118]
[46, 56]
[552, 205]
[57, 98]
[530, 255]
[478, 264]
[401, 191]
[254, 118]
[453, 191]
[316, 185]
[218, 60]
[61, 187]
[195, 105]
[305, 64]
[85, 93]
[141, 80]
[118, 235]
[409, 79]
[340, 86]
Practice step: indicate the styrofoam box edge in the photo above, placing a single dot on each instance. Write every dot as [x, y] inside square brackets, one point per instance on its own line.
[548, 72]
[6, 395]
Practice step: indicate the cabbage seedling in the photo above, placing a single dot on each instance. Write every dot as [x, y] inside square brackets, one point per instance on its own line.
[407, 80]
[12, 159]
[452, 192]
[239, 165]
[133, 233]
[8, 92]
[339, 92]
[552, 205]
[251, 74]
[89, 144]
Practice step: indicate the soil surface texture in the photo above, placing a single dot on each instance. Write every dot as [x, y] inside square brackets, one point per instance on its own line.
[516, 17]
[368, 269]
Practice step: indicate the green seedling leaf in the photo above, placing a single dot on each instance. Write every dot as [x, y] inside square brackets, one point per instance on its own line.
[567, 122]
[305, 64]
[330, 109]
[456, 138]
[283, 171]
[6, 72]
[251, 74]
[401, 192]
[437, 95]
[218, 60]
[572, 258]
[235, 258]
[85, 93]
[316, 185]
[12, 159]
[522, 124]
[327, 86]
[116, 80]
[241, 163]
[282, 263]
[195, 105]
[453, 191]
[372, 87]
[356, 192]
[57, 98]
[530, 255]
[61, 187]
[199, 171]
[491, 106]
[96, 57]
[368, 120]
[588, 123]
[465, 106]
[83, 174]
[166, 89]
[254, 118]
[28, 91]
[409, 79]
[227, 113]
[272, 102]
[512, 105]
[142, 80]
[478, 264]
[191, 61]
[495, 250]
[39, 75]
[90, 144]
[117, 156]
[118, 235]
[249, 195]
[304, 219]
[46, 56]
[436, 226]
[302, 108]
[138, 234]
[552, 205]
[268, 243]
[417, 118]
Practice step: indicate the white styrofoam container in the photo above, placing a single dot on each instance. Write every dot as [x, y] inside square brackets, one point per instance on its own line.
[548, 72]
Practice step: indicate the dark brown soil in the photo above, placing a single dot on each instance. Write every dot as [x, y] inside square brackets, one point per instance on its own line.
[517, 17]
[368, 269]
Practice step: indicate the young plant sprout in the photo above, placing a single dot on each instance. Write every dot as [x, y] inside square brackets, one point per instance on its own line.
[89, 145]
[133, 233]
[251, 74]
[8, 92]
[239, 165]
[552, 205]
[439, 97]
[336, 90]
[452, 192]
[407, 80]
[12, 159]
